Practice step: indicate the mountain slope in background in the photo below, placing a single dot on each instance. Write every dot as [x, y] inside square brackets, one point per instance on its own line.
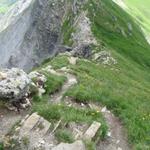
[102, 28]
[140, 11]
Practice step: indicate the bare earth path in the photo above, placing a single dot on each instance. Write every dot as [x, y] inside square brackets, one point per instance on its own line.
[7, 120]
[71, 80]
[117, 139]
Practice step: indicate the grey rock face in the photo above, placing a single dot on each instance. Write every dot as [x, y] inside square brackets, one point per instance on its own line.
[30, 32]
[13, 84]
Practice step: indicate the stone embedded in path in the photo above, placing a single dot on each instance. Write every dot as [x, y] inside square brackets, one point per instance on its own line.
[14, 84]
[78, 145]
[29, 124]
[92, 130]
[33, 130]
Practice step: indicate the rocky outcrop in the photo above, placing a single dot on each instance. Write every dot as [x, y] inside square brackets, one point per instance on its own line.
[30, 32]
[14, 84]
[83, 37]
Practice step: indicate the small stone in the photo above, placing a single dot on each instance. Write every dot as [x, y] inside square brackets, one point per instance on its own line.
[41, 91]
[119, 148]
[82, 105]
[3, 76]
[118, 141]
[109, 134]
[72, 60]
[104, 109]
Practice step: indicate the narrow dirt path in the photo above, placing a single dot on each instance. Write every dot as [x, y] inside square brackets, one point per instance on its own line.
[117, 139]
[71, 80]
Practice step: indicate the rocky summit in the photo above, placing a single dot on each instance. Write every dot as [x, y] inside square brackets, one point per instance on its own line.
[74, 75]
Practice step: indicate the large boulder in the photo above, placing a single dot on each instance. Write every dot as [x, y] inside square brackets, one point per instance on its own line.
[14, 84]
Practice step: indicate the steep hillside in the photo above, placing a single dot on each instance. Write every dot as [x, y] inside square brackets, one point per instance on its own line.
[124, 88]
[102, 74]
[140, 11]
[30, 31]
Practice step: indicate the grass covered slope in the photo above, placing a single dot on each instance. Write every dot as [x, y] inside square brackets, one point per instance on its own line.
[110, 25]
[125, 87]
[141, 11]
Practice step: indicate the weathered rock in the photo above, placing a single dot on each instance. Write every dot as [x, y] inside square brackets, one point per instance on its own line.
[78, 145]
[92, 130]
[72, 60]
[38, 76]
[31, 31]
[105, 58]
[14, 84]
[83, 34]
[82, 50]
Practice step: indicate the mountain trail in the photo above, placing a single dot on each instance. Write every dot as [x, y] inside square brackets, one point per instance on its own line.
[116, 137]
[71, 80]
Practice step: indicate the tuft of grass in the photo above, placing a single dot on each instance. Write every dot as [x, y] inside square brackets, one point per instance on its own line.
[64, 136]
[25, 140]
[53, 82]
[90, 145]
[59, 62]
[1, 146]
